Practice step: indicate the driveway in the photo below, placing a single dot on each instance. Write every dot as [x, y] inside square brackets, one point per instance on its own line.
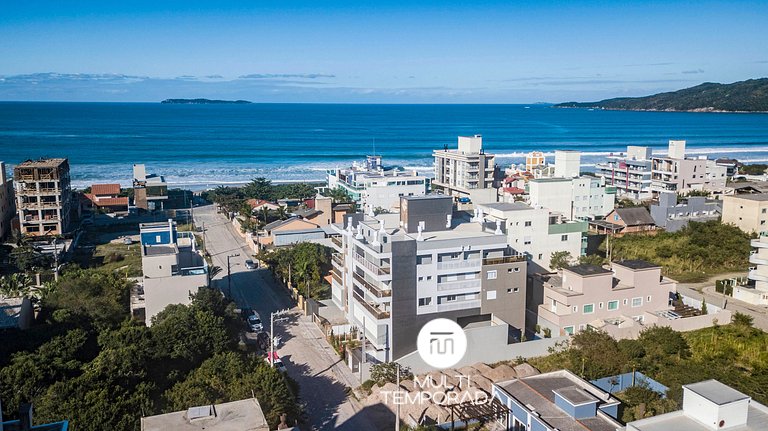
[323, 380]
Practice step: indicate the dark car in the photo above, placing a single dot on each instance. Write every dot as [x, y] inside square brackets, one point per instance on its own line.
[251, 264]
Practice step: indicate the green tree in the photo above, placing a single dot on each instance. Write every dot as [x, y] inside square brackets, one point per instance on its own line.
[27, 258]
[259, 188]
[338, 195]
[560, 260]
[741, 319]
[386, 372]
[98, 295]
[591, 259]
[15, 285]
[596, 354]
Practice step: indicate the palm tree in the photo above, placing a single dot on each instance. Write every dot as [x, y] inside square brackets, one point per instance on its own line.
[264, 212]
[339, 195]
[282, 213]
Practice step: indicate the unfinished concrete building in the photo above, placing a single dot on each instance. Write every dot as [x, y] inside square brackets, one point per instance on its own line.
[43, 196]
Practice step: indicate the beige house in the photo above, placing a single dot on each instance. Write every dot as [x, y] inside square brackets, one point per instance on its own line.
[287, 232]
[749, 211]
[588, 295]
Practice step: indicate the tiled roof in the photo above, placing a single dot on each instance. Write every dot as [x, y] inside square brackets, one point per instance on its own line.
[105, 189]
[111, 202]
[514, 190]
[635, 216]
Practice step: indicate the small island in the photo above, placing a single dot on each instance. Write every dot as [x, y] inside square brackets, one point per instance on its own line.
[204, 102]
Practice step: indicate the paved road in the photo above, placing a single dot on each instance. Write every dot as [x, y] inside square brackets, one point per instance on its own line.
[310, 360]
[707, 290]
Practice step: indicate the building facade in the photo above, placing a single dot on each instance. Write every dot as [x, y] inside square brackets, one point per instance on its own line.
[672, 216]
[676, 173]
[747, 211]
[630, 173]
[172, 266]
[755, 290]
[150, 191]
[537, 232]
[577, 198]
[398, 271]
[375, 187]
[7, 203]
[588, 295]
[467, 171]
[43, 196]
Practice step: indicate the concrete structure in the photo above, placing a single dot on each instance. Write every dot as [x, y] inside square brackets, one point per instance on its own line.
[466, 171]
[398, 271]
[716, 175]
[676, 173]
[106, 198]
[243, 415]
[567, 163]
[577, 198]
[756, 289]
[672, 216]
[709, 406]
[43, 196]
[150, 191]
[747, 211]
[630, 173]
[537, 232]
[372, 186]
[557, 401]
[287, 232]
[16, 313]
[624, 220]
[173, 268]
[7, 203]
[534, 160]
[588, 295]
[25, 423]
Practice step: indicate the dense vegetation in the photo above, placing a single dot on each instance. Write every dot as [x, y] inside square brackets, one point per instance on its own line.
[690, 254]
[232, 198]
[87, 361]
[304, 264]
[735, 354]
[753, 169]
[750, 95]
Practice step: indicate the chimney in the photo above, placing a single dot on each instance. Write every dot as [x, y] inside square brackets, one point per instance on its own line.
[25, 417]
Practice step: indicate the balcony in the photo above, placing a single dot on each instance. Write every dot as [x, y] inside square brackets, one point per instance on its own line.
[336, 276]
[459, 284]
[337, 240]
[756, 243]
[754, 275]
[376, 269]
[460, 264]
[504, 259]
[338, 259]
[757, 260]
[375, 312]
[370, 287]
[458, 305]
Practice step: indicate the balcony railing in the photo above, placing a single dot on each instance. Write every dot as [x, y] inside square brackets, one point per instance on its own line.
[504, 259]
[378, 314]
[376, 269]
[336, 276]
[339, 259]
[459, 264]
[459, 284]
[337, 240]
[458, 305]
[375, 291]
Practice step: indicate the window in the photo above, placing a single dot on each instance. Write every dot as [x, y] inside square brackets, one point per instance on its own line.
[626, 301]
[575, 309]
[568, 330]
[450, 298]
[429, 277]
[517, 289]
[513, 269]
[763, 210]
[600, 306]
[492, 275]
[491, 294]
[648, 299]
[563, 237]
[421, 278]
[528, 224]
[613, 305]
[637, 302]
[589, 308]
[423, 302]
[540, 256]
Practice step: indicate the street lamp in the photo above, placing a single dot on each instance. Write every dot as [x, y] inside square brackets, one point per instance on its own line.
[229, 273]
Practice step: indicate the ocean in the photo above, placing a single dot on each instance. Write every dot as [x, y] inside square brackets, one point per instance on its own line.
[199, 146]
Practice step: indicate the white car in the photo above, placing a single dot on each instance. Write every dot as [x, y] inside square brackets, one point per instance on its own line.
[254, 323]
[251, 264]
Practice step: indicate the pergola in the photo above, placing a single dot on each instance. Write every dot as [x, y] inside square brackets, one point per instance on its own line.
[483, 413]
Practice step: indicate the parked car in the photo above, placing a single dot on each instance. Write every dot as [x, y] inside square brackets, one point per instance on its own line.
[251, 264]
[246, 313]
[254, 323]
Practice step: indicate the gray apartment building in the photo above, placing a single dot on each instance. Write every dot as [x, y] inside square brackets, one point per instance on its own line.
[396, 272]
[43, 196]
[466, 171]
[672, 216]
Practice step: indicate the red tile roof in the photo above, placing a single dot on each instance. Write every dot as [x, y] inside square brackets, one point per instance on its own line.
[105, 189]
[514, 190]
[112, 202]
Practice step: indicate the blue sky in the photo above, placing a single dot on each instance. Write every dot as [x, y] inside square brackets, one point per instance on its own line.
[366, 51]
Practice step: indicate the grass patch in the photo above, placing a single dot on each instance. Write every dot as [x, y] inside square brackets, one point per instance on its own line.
[97, 251]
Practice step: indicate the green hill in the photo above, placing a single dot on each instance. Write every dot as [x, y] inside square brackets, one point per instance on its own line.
[743, 96]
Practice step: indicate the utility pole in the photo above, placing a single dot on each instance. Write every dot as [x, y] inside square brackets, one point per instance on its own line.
[272, 334]
[229, 273]
[397, 404]
[204, 251]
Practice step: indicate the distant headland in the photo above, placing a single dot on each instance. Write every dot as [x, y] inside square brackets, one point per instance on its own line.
[204, 102]
[743, 96]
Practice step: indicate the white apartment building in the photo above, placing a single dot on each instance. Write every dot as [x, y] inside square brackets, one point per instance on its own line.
[172, 266]
[630, 173]
[537, 232]
[755, 291]
[676, 173]
[466, 171]
[577, 198]
[374, 187]
[567, 163]
[396, 272]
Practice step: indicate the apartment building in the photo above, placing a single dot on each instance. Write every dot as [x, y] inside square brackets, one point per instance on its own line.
[556, 401]
[43, 196]
[375, 187]
[630, 173]
[676, 173]
[587, 295]
[173, 268]
[671, 215]
[567, 163]
[577, 198]
[466, 171]
[7, 203]
[709, 406]
[755, 290]
[537, 232]
[748, 211]
[396, 272]
[150, 191]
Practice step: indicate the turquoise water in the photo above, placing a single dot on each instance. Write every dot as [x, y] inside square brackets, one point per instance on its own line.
[201, 145]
